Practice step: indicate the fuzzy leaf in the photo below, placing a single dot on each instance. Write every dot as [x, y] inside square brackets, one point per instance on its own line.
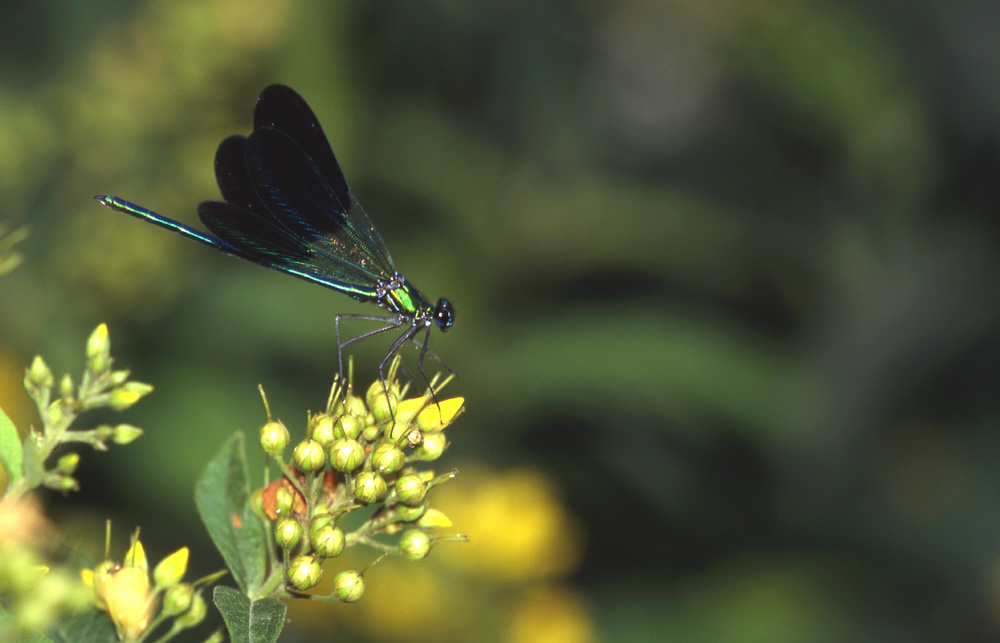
[223, 499]
[249, 621]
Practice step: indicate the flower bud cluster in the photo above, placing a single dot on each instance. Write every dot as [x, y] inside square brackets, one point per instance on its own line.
[361, 452]
[60, 402]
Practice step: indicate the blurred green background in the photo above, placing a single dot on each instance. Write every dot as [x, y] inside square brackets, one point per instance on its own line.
[725, 276]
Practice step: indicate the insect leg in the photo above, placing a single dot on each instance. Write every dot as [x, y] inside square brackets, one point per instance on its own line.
[396, 323]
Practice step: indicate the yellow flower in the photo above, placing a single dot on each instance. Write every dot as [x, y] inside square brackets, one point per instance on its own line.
[129, 602]
[437, 416]
[518, 529]
[171, 569]
[551, 614]
[408, 408]
[123, 591]
[136, 556]
[430, 417]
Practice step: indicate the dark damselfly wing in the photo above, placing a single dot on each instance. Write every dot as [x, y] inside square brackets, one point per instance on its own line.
[280, 107]
[285, 199]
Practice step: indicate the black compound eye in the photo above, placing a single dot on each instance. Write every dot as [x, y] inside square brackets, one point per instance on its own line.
[444, 314]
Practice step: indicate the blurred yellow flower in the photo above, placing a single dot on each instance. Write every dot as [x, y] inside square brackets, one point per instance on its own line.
[517, 527]
[403, 601]
[551, 614]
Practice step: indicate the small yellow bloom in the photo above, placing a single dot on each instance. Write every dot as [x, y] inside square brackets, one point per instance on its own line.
[433, 518]
[95, 578]
[136, 556]
[171, 569]
[437, 416]
[123, 591]
[409, 408]
[128, 601]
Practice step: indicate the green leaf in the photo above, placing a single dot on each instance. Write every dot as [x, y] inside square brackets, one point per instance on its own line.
[11, 456]
[33, 466]
[249, 621]
[90, 627]
[223, 498]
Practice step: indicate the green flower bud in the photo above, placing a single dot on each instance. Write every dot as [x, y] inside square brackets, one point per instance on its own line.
[178, 599]
[321, 430]
[414, 544]
[67, 464]
[309, 455]
[117, 378]
[304, 572]
[371, 432]
[348, 426]
[432, 519]
[432, 448]
[194, 615]
[347, 455]
[377, 388]
[411, 490]
[383, 405]
[369, 487]
[273, 438]
[284, 500]
[98, 342]
[141, 388]
[66, 386]
[287, 532]
[348, 586]
[99, 364]
[408, 513]
[387, 458]
[105, 432]
[319, 523]
[355, 406]
[128, 394]
[38, 375]
[57, 412]
[99, 351]
[328, 541]
[171, 569]
[125, 433]
[64, 484]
